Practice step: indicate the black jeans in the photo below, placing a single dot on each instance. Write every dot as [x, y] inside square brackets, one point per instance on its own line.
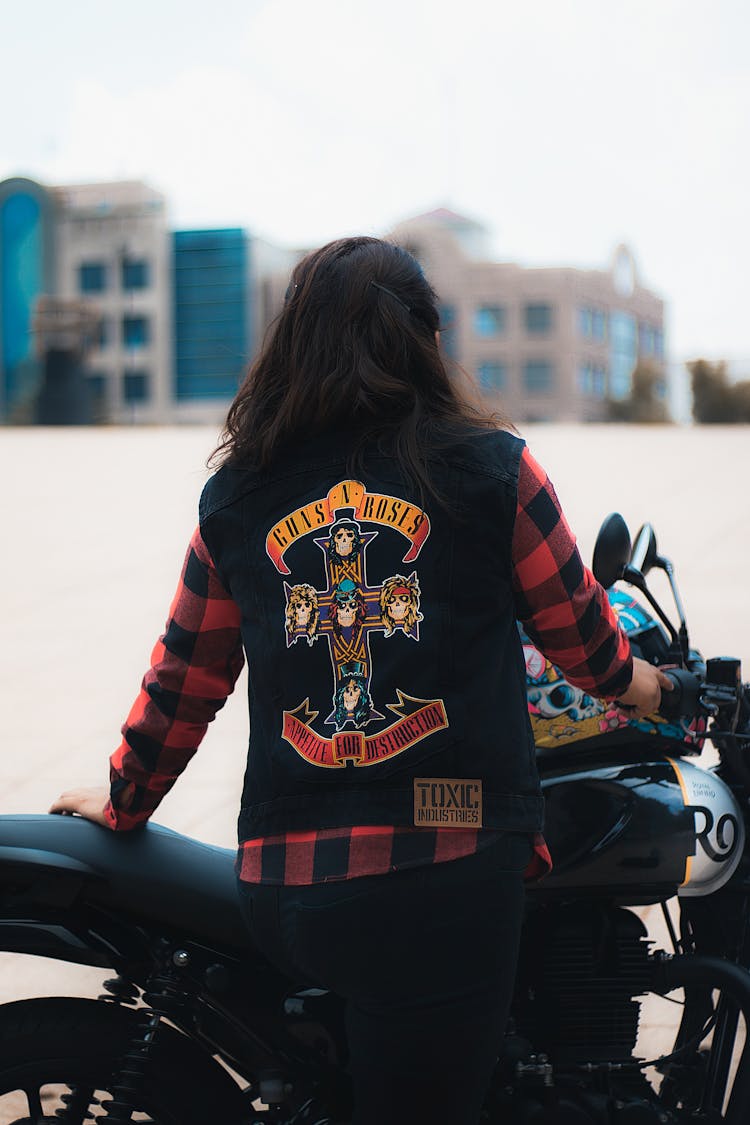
[425, 960]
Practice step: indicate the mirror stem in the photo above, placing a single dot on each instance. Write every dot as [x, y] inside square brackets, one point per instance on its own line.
[635, 578]
[667, 567]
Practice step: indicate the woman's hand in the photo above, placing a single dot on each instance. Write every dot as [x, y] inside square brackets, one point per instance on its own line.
[85, 802]
[644, 694]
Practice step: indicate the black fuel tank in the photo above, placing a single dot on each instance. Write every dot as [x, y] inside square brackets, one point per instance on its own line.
[639, 832]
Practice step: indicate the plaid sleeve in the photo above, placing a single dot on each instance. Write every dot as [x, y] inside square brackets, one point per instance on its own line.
[565, 611]
[194, 666]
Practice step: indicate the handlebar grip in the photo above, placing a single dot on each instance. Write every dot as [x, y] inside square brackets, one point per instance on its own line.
[684, 699]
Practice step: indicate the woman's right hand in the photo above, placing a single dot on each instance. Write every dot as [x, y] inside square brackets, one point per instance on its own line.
[87, 802]
[644, 694]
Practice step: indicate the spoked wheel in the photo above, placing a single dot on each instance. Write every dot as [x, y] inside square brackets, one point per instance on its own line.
[706, 1077]
[58, 1058]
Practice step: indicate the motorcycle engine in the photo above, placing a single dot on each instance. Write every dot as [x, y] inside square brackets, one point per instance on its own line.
[580, 966]
[575, 1021]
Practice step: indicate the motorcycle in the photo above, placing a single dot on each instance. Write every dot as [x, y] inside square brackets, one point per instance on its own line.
[195, 1028]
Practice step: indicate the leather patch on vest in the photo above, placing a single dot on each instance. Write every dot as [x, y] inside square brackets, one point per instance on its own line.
[448, 802]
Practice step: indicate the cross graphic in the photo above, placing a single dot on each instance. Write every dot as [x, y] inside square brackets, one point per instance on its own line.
[348, 612]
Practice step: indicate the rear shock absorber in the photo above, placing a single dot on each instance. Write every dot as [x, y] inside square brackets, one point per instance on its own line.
[165, 995]
[128, 1084]
[120, 991]
[77, 1105]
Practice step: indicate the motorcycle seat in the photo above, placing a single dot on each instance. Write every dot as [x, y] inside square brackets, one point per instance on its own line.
[151, 873]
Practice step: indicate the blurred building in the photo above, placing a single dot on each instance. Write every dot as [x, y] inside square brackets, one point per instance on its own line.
[228, 288]
[213, 319]
[64, 329]
[27, 271]
[106, 246]
[113, 253]
[549, 344]
[272, 266]
[180, 314]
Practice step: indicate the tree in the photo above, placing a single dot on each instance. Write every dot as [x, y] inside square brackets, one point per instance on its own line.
[715, 399]
[742, 400]
[645, 403]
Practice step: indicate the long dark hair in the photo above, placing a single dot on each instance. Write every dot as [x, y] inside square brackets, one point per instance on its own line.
[354, 348]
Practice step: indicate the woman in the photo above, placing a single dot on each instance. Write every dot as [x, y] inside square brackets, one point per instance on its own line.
[387, 862]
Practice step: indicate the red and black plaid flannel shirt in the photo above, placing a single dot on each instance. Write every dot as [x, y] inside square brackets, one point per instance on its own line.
[196, 662]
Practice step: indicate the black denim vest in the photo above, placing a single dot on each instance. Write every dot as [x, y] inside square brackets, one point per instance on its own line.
[386, 679]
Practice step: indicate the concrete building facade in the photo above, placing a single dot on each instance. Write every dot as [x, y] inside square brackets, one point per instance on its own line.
[547, 344]
[113, 252]
[179, 313]
[105, 246]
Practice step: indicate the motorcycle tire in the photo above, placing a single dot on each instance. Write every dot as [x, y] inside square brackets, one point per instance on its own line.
[77, 1043]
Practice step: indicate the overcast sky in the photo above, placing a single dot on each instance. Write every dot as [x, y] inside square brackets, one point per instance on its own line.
[566, 126]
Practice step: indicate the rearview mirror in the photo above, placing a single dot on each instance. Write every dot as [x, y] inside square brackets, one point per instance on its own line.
[644, 549]
[611, 550]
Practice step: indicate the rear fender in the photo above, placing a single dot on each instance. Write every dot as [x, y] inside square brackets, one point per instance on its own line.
[44, 912]
[54, 939]
[45, 879]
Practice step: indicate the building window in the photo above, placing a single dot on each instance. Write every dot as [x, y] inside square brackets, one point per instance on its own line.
[489, 320]
[492, 376]
[599, 382]
[538, 319]
[135, 274]
[592, 380]
[135, 332]
[650, 341]
[92, 277]
[96, 382]
[101, 336]
[537, 376]
[448, 341]
[623, 353]
[592, 323]
[135, 387]
[598, 324]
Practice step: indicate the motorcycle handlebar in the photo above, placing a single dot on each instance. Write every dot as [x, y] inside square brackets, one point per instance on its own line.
[684, 699]
[720, 688]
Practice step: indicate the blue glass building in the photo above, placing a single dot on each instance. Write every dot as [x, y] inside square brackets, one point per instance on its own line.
[212, 303]
[26, 272]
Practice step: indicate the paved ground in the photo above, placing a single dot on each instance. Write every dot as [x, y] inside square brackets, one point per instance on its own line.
[95, 524]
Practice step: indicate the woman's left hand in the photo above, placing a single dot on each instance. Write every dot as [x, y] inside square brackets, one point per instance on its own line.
[89, 803]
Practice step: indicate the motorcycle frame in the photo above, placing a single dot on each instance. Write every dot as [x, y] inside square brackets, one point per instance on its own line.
[52, 919]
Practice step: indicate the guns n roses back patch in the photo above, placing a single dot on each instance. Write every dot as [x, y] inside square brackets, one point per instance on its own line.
[341, 607]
